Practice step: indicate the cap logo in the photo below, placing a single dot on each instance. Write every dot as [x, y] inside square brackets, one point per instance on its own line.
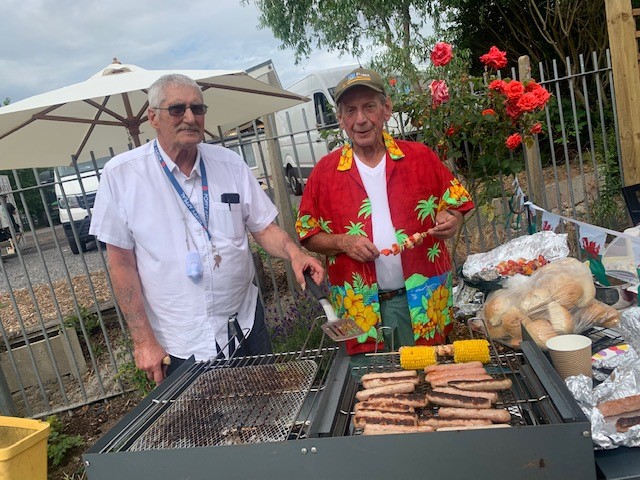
[357, 76]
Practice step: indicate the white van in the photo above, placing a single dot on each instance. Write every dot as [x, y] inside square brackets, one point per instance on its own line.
[300, 127]
[73, 203]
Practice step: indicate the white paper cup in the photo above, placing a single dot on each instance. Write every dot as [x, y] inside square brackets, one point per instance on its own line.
[570, 355]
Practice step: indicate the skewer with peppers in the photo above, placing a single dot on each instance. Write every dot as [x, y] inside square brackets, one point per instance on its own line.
[409, 242]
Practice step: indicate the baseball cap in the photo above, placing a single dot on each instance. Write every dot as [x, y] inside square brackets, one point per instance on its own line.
[359, 76]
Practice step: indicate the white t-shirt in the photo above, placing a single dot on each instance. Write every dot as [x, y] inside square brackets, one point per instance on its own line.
[138, 208]
[388, 268]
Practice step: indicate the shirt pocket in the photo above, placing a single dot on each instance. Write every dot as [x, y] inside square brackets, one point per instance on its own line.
[227, 220]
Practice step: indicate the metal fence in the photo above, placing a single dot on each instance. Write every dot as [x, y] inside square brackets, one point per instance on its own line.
[64, 341]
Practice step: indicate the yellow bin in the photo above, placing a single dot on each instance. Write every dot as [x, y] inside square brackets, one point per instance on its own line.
[23, 449]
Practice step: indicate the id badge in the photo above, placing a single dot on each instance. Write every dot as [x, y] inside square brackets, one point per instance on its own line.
[193, 265]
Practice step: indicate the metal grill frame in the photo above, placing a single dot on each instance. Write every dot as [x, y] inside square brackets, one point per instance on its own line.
[558, 450]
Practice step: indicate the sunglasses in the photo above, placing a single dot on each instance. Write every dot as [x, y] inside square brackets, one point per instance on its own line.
[180, 109]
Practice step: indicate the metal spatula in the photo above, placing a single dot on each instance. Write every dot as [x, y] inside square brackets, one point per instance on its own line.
[338, 329]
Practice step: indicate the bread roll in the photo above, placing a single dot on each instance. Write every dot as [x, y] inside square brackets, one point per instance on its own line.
[560, 318]
[497, 331]
[495, 306]
[535, 301]
[541, 331]
[511, 321]
[588, 291]
[564, 289]
[598, 313]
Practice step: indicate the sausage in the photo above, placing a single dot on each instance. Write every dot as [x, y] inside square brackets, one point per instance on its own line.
[380, 382]
[623, 424]
[393, 388]
[403, 373]
[473, 427]
[375, 429]
[436, 422]
[620, 406]
[384, 406]
[415, 400]
[496, 415]
[388, 418]
[445, 381]
[492, 396]
[450, 367]
[456, 374]
[491, 384]
[455, 400]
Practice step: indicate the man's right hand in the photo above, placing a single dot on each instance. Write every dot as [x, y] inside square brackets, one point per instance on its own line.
[359, 248]
[149, 357]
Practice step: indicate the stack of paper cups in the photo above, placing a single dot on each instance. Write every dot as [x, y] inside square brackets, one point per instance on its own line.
[571, 355]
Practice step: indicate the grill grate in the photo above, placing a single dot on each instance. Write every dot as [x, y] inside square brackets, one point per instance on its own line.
[232, 406]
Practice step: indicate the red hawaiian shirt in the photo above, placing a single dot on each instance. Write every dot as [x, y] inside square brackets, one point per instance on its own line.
[419, 185]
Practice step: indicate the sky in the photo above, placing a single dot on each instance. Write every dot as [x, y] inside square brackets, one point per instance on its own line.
[48, 44]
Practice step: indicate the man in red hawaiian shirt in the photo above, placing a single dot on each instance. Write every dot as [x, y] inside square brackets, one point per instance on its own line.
[379, 209]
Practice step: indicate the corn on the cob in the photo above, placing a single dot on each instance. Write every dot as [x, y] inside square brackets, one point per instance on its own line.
[418, 357]
[471, 350]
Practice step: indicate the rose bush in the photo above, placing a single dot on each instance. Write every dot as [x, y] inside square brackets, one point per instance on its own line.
[475, 123]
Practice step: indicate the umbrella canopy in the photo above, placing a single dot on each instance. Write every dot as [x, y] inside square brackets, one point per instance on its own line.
[110, 110]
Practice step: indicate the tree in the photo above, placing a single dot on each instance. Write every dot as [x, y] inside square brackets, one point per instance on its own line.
[350, 26]
[542, 29]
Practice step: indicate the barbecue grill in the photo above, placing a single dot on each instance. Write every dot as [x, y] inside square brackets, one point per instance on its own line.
[289, 416]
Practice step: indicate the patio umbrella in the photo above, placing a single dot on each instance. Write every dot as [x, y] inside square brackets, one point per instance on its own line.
[110, 110]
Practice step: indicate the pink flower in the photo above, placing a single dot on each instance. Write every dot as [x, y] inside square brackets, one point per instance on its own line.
[441, 54]
[439, 93]
[494, 58]
[513, 141]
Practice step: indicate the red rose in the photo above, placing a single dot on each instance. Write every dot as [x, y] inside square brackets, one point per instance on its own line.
[513, 141]
[537, 128]
[528, 102]
[494, 58]
[392, 82]
[531, 85]
[450, 131]
[488, 111]
[497, 86]
[542, 95]
[513, 90]
[439, 93]
[513, 111]
[441, 54]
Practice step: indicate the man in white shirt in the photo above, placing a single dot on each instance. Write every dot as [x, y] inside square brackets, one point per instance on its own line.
[174, 215]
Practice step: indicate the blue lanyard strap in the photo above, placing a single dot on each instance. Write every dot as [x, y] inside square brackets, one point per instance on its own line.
[183, 195]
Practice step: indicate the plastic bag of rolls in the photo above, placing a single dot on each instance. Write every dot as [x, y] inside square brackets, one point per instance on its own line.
[558, 298]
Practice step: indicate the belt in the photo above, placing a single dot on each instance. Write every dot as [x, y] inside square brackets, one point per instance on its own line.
[389, 294]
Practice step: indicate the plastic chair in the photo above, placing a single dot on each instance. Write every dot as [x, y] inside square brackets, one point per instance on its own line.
[631, 196]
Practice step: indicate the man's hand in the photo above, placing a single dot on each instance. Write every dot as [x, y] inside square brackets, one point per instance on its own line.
[447, 224]
[301, 262]
[149, 357]
[359, 248]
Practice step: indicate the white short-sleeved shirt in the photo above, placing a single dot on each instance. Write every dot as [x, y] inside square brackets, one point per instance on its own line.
[138, 208]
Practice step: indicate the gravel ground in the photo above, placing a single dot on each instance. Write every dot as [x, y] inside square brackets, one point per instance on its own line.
[45, 268]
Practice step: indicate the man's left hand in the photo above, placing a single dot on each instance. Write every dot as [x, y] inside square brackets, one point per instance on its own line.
[447, 224]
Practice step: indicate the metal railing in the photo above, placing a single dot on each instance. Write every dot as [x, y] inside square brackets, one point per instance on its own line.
[63, 340]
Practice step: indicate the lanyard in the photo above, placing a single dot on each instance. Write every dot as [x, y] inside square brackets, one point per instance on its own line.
[183, 195]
